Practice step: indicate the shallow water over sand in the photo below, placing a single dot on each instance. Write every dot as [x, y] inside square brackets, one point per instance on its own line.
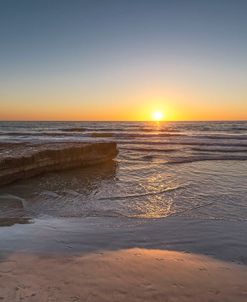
[208, 190]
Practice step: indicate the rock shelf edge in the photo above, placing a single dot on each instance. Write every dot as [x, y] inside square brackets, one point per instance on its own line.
[24, 160]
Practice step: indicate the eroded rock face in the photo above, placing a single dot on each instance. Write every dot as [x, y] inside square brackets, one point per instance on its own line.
[23, 160]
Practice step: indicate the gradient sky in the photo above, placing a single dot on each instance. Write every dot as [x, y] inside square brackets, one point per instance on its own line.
[122, 60]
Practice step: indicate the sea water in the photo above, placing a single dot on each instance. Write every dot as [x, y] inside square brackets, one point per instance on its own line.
[193, 172]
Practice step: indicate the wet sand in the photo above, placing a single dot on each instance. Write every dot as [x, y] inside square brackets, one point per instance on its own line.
[112, 259]
[123, 275]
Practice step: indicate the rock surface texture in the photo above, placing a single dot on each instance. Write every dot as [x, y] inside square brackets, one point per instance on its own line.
[23, 160]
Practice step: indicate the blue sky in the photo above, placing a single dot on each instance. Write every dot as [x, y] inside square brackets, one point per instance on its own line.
[101, 59]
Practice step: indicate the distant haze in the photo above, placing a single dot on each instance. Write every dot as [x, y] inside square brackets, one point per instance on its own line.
[123, 60]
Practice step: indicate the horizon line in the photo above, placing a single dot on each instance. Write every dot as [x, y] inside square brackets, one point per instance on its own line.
[120, 121]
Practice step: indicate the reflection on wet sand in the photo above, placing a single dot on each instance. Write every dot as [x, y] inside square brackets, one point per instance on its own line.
[65, 194]
[123, 275]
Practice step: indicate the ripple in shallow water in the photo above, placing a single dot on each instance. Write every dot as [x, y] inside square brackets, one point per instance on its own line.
[208, 190]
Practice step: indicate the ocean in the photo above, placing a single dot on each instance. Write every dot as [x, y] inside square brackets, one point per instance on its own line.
[180, 185]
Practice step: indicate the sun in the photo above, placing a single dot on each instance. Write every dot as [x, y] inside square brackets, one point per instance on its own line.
[158, 116]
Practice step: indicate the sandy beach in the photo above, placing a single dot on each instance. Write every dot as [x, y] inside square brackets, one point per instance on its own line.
[123, 275]
[146, 226]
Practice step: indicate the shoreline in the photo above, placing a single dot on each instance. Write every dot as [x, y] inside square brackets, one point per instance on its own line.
[222, 240]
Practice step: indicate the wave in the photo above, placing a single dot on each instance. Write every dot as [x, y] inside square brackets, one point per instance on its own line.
[155, 129]
[184, 143]
[101, 134]
[224, 150]
[226, 137]
[143, 194]
[85, 133]
[190, 159]
[158, 134]
[95, 129]
[214, 126]
[149, 149]
[116, 129]
[37, 134]
[154, 135]
[73, 129]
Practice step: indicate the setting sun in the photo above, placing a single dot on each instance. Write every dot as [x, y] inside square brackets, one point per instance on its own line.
[158, 116]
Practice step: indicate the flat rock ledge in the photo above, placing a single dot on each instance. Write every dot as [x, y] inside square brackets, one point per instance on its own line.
[24, 160]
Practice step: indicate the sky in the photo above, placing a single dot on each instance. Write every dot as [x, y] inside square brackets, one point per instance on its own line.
[123, 60]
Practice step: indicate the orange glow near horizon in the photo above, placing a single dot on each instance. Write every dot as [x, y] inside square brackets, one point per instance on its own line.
[117, 115]
[137, 108]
